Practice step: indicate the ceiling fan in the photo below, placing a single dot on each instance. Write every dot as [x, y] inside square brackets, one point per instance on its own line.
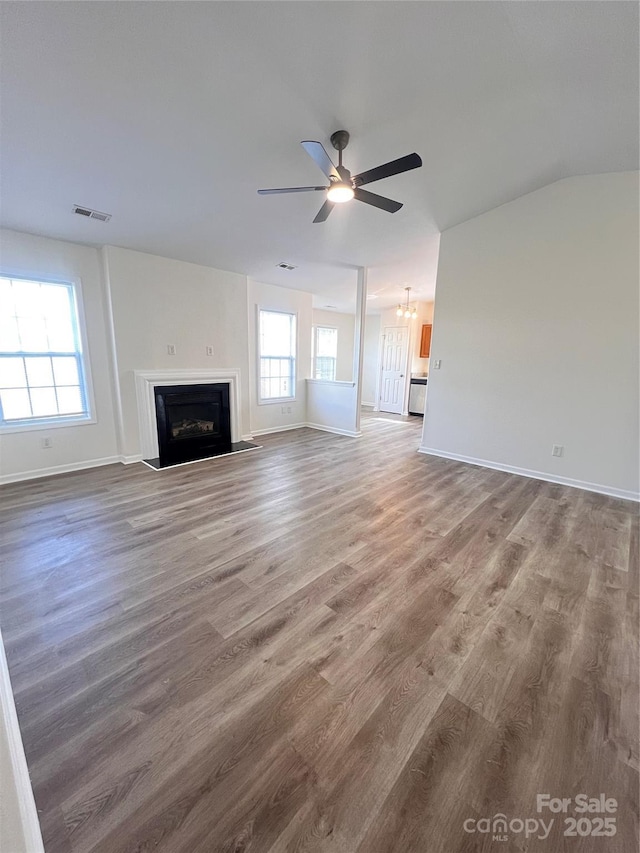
[342, 186]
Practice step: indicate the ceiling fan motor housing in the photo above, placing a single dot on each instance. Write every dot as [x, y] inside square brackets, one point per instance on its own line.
[340, 139]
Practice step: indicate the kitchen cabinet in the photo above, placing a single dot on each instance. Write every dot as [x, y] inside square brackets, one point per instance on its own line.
[425, 341]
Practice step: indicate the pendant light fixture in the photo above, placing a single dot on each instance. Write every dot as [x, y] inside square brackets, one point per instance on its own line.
[405, 310]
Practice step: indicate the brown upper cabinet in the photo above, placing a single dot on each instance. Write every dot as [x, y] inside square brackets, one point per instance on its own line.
[425, 341]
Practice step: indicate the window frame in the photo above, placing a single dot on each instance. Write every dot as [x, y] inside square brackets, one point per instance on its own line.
[315, 353]
[79, 323]
[294, 373]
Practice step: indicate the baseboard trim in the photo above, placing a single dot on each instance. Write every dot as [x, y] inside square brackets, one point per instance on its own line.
[535, 475]
[59, 469]
[269, 430]
[5, 479]
[348, 432]
[19, 775]
[367, 405]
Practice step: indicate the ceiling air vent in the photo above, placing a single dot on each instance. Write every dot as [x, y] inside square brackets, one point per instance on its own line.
[91, 214]
[284, 266]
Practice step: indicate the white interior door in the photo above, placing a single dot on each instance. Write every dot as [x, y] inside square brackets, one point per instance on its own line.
[394, 369]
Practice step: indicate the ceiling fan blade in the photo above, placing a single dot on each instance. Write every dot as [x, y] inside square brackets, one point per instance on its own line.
[394, 167]
[322, 159]
[377, 200]
[291, 190]
[324, 211]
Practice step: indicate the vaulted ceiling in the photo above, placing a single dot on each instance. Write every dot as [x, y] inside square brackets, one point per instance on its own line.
[170, 115]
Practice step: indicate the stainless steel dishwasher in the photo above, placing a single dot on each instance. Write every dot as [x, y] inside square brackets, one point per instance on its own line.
[417, 395]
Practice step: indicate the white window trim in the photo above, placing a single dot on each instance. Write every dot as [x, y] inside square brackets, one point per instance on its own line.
[276, 401]
[315, 344]
[63, 421]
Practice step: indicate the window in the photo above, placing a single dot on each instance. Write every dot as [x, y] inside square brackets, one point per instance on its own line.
[325, 352]
[277, 355]
[42, 378]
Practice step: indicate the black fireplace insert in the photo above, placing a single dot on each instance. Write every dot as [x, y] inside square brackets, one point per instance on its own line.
[194, 422]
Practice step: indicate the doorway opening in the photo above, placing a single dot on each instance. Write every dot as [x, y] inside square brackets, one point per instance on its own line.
[393, 370]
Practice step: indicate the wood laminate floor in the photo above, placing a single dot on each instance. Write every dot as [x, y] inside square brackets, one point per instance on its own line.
[328, 644]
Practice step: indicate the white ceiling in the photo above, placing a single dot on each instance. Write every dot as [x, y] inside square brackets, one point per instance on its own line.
[170, 116]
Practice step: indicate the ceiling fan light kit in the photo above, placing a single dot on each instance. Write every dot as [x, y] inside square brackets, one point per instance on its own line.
[342, 186]
[338, 193]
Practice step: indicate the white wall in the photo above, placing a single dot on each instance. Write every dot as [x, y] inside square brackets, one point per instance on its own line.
[345, 324]
[371, 360]
[267, 417]
[21, 453]
[536, 325]
[157, 302]
[332, 406]
[137, 304]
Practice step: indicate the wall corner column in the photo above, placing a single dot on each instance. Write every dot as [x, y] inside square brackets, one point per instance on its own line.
[358, 344]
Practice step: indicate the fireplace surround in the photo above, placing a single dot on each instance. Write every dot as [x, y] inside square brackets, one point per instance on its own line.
[146, 383]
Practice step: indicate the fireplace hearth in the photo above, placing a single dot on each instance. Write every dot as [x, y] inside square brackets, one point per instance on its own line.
[193, 421]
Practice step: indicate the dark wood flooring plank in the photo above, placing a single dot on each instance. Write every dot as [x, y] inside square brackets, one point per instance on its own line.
[357, 771]
[327, 645]
[418, 813]
[211, 780]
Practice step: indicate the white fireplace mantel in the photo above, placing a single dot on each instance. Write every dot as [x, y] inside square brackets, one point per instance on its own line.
[146, 382]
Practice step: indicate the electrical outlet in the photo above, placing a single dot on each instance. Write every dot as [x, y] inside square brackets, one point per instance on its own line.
[46, 443]
[436, 364]
[557, 450]
[209, 350]
[171, 349]
[288, 410]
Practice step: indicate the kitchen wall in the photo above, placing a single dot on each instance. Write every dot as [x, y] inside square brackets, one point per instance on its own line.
[388, 317]
[267, 417]
[536, 327]
[425, 317]
[345, 324]
[80, 446]
[157, 302]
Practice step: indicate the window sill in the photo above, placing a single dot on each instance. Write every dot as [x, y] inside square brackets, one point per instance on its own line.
[276, 401]
[332, 382]
[54, 423]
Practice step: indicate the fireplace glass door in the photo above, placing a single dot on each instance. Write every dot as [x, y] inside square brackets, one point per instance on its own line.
[193, 422]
